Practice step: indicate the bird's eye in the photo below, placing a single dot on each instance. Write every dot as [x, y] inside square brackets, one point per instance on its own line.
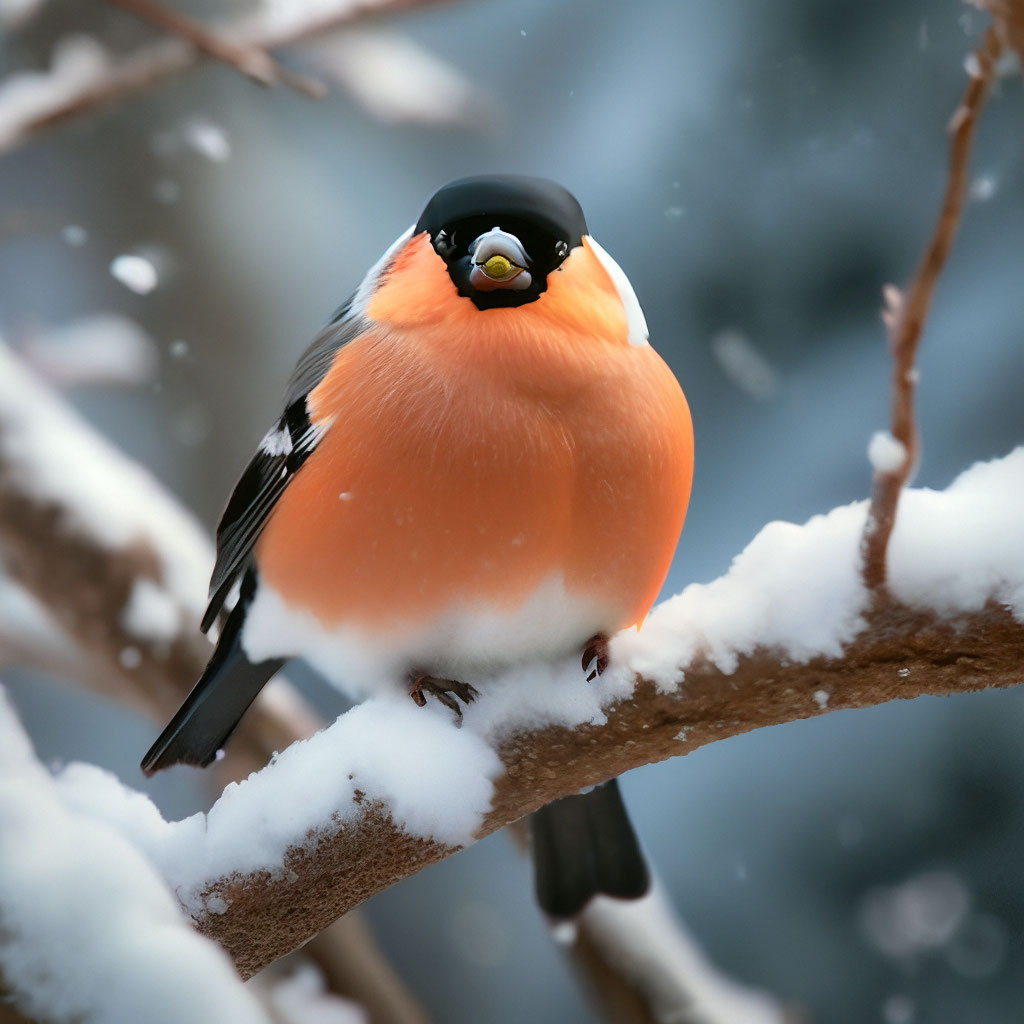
[561, 249]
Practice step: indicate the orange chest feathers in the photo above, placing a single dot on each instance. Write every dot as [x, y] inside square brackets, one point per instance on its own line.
[472, 457]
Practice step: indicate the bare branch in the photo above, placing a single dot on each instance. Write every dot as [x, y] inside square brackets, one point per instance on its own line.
[905, 316]
[252, 61]
[899, 653]
[86, 80]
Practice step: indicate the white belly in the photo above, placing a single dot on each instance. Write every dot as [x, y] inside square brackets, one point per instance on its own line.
[462, 641]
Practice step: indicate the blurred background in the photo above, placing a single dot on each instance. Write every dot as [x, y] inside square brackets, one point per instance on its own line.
[759, 171]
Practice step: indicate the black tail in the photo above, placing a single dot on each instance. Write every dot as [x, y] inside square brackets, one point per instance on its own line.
[217, 702]
[584, 845]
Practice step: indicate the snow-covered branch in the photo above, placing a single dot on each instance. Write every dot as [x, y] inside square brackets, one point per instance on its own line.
[145, 963]
[648, 970]
[119, 565]
[790, 632]
[126, 953]
[638, 964]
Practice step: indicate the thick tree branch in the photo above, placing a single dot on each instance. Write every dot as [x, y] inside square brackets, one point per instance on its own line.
[899, 654]
[29, 637]
[905, 314]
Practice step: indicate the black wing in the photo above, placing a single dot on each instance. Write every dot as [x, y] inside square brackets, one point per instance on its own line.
[281, 454]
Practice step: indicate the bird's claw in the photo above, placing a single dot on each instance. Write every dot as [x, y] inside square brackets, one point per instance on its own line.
[595, 656]
[443, 689]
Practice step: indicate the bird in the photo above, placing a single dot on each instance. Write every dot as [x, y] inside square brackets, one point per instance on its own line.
[481, 462]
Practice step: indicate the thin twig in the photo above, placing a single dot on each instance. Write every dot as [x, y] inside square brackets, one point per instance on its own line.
[252, 61]
[906, 314]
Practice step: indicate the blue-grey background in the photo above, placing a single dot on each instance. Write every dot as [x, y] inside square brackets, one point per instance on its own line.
[756, 168]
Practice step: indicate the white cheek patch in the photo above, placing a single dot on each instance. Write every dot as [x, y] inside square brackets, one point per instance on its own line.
[369, 283]
[634, 314]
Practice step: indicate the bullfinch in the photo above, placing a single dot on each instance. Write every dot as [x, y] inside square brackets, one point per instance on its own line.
[481, 461]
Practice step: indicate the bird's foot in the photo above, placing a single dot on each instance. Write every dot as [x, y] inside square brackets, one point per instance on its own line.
[421, 684]
[595, 656]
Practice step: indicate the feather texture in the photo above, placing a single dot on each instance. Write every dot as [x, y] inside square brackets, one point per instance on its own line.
[217, 702]
[283, 451]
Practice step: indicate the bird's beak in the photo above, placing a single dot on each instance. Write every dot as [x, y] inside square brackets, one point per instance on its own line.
[499, 261]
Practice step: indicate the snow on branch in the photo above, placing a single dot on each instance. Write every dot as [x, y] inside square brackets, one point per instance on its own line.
[28, 636]
[649, 950]
[125, 953]
[638, 964]
[790, 632]
[84, 76]
[119, 565]
[144, 962]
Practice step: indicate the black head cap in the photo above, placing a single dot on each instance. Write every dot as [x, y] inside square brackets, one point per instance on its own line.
[545, 217]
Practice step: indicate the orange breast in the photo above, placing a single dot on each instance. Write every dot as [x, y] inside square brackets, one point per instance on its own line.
[473, 454]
